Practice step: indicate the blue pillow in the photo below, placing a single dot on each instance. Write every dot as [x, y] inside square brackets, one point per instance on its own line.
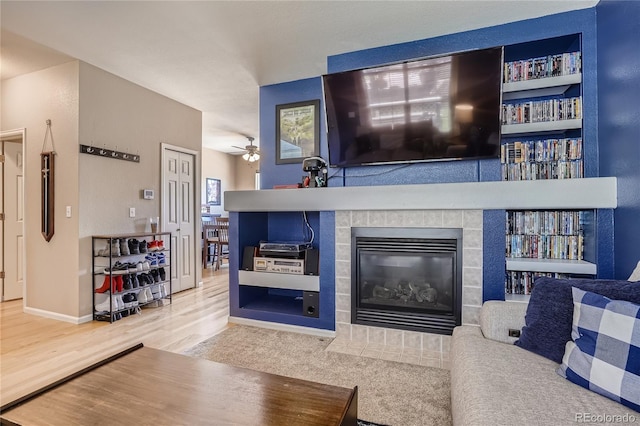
[604, 353]
[550, 312]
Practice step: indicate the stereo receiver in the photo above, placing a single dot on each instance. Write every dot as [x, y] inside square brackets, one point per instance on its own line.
[279, 265]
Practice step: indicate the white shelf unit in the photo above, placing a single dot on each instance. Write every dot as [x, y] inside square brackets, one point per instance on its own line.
[276, 280]
[541, 127]
[580, 267]
[539, 87]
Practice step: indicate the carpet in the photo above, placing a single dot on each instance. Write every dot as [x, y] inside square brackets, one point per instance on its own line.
[389, 393]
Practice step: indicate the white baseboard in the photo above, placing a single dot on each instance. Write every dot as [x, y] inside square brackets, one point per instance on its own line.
[57, 316]
[283, 327]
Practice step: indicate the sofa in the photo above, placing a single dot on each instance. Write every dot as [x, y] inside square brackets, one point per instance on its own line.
[494, 382]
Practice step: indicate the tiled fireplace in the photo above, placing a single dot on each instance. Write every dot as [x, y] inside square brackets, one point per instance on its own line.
[391, 343]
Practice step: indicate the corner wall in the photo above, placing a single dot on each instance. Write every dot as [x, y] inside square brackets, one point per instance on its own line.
[51, 275]
[119, 114]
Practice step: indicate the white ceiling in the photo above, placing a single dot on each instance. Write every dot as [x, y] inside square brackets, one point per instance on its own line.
[214, 55]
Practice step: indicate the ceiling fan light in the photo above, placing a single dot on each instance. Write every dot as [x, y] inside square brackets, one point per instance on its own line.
[256, 156]
[245, 156]
[252, 158]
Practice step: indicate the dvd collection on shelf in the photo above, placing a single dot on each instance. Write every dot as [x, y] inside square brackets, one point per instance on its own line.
[543, 67]
[544, 234]
[521, 282]
[542, 111]
[542, 159]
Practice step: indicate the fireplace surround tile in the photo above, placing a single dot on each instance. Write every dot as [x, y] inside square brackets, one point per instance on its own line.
[434, 347]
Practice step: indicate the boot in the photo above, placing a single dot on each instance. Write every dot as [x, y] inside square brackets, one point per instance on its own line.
[105, 285]
[119, 285]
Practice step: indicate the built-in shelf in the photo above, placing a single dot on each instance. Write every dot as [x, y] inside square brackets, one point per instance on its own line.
[539, 87]
[541, 127]
[557, 194]
[284, 281]
[277, 304]
[560, 266]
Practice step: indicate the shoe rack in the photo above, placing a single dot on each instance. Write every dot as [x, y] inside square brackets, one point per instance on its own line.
[130, 272]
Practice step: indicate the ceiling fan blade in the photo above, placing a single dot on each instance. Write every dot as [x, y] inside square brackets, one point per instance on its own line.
[238, 147]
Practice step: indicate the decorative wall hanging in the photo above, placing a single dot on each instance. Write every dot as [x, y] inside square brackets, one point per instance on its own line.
[47, 185]
[109, 153]
[213, 192]
[297, 131]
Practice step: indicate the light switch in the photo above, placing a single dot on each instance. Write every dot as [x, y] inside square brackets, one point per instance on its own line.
[68, 212]
[132, 212]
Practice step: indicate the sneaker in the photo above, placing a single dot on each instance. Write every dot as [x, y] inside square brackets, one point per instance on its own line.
[143, 246]
[163, 274]
[142, 296]
[156, 275]
[152, 246]
[165, 289]
[103, 302]
[115, 247]
[134, 246]
[127, 282]
[160, 245]
[152, 259]
[155, 291]
[124, 247]
[104, 251]
[161, 258]
[117, 269]
[135, 283]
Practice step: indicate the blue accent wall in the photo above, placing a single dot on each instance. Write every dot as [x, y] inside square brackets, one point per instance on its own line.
[619, 126]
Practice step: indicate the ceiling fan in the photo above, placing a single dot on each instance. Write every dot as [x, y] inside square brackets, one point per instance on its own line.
[251, 151]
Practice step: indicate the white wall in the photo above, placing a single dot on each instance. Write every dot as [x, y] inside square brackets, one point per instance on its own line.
[234, 172]
[27, 102]
[121, 115]
[88, 106]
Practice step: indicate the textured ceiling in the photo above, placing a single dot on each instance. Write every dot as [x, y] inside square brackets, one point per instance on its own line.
[214, 55]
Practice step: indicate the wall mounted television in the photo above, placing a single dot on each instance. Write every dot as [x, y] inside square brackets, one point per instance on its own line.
[429, 109]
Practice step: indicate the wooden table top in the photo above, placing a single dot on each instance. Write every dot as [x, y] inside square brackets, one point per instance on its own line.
[153, 387]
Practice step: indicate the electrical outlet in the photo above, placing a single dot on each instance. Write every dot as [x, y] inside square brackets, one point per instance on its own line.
[514, 333]
[68, 212]
[132, 212]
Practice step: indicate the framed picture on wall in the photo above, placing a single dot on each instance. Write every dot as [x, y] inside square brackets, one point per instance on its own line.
[213, 192]
[297, 131]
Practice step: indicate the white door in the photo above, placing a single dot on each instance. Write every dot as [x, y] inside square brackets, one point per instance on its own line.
[12, 251]
[178, 217]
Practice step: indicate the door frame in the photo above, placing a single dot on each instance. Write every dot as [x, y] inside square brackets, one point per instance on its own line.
[197, 225]
[6, 136]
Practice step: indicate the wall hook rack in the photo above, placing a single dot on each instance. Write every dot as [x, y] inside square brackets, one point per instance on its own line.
[109, 153]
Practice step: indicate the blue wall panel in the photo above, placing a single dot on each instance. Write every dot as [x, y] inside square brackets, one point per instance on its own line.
[619, 131]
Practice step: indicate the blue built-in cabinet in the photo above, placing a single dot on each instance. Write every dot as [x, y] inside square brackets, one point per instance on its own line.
[556, 33]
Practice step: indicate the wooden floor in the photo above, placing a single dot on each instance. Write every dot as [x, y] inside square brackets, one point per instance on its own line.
[35, 351]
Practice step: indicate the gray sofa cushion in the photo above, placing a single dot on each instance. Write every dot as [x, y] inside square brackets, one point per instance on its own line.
[494, 383]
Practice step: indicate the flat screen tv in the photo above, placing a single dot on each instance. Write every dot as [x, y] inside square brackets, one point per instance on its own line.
[437, 108]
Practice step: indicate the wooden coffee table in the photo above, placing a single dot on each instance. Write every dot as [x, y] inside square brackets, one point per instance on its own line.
[148, 386]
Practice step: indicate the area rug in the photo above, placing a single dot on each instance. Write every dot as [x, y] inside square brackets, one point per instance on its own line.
[389, 393]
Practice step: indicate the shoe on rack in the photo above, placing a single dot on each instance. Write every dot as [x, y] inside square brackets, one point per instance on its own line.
[135, 283]
[120, 302]
[160, 245]
[124, 247]
[143, 246]
[104, 251]
[165, 290]
[163, 274]
[142, 297]
[152, 259]
[115, 247]
[117, 268]
[134, 246]
[102, 303]
[106, 285]
[161, 258]
[156, 275]
[155, 291]
[152, 246]
[119, 285]
[127, 285]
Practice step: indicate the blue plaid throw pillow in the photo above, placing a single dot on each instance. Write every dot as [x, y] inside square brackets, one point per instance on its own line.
[604, 353]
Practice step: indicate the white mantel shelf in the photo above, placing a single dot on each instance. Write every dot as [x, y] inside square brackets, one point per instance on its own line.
[587, 193]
